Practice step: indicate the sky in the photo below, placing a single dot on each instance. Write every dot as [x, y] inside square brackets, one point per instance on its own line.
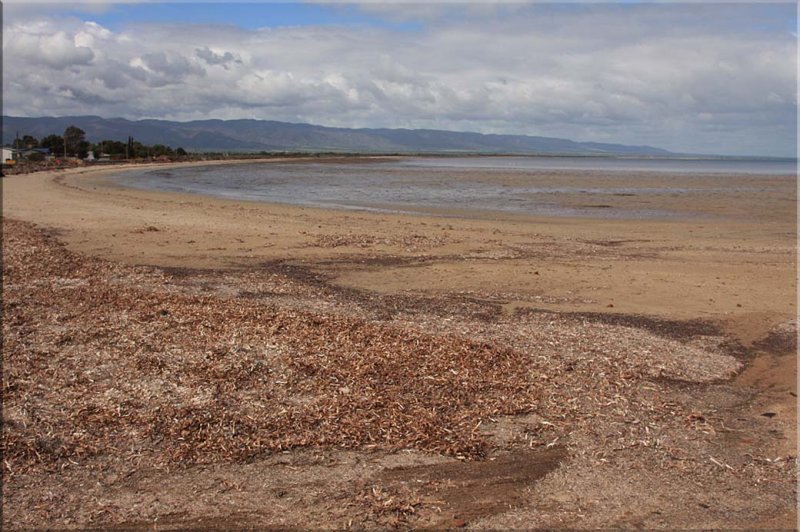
[717, 78]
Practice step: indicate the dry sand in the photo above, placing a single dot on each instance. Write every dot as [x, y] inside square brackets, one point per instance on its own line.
[620, 339]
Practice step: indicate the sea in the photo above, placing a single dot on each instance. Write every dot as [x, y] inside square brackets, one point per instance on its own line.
[537, 186]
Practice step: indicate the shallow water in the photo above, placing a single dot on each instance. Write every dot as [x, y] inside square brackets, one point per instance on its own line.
[552, 186]
[622, 164]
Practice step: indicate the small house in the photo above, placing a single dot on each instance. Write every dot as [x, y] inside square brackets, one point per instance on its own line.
[34, 154]
[8, 155]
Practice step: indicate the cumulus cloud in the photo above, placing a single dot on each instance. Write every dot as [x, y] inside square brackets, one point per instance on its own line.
[40, 47]
[710, 78]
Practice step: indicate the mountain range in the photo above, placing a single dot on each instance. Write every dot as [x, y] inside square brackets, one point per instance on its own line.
[268, 135]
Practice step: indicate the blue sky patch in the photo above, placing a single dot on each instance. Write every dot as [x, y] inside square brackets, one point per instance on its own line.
[250, 16]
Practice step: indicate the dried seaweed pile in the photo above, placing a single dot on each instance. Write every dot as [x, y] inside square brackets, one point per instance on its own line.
[605, 386]
[99, 361]
[111, 361]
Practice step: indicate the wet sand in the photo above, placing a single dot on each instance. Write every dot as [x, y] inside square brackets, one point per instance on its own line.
[688, 301]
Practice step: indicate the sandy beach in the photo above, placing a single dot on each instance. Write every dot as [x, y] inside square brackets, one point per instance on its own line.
[182, 360]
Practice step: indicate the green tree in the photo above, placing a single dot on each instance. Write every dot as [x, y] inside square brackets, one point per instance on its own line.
[180, 152]
[82, 150]
[55, 143]
[75, 139]
[159, 150]
[29, 142]
[110, 147]
[137, 150]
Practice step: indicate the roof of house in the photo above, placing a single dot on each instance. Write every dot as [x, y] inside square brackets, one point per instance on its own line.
[27, 151]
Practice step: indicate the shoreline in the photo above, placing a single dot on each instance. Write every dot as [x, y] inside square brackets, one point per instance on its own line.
[671, 268]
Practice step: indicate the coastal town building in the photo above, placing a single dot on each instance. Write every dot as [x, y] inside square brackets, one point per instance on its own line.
[11, 155]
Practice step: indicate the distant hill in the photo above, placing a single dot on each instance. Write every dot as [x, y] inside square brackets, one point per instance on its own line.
[268, 135]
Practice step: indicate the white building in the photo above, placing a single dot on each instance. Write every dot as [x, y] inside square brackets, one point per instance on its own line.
[8, 154]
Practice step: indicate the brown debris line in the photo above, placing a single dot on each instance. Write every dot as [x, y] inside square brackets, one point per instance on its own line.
[408, 242]
[99, 360]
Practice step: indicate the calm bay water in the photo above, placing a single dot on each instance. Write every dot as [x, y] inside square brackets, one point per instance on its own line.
[690, 166]
[547, 186]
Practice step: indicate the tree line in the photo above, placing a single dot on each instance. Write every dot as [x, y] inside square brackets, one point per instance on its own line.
[73, 143]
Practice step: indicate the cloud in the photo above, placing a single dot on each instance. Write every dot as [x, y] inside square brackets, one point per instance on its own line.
[38, 45]
[704, 78]
[213, 58]
[166, 68]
